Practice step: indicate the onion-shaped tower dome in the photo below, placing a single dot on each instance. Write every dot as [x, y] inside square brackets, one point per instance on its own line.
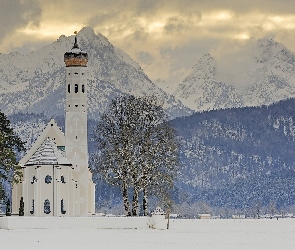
[76, 57]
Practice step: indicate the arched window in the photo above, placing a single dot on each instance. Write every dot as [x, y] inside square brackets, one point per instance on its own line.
[62, 206]
[32, 207]
[34, 179]
[69, 88]
[76, 88]
[63, 179]
[47, 206]
[83, 88]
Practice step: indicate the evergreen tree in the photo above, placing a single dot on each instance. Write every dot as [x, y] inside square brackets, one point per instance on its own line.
[21, 207]
[2, 192]
[10, 171]
[8, 211]
[136, 148]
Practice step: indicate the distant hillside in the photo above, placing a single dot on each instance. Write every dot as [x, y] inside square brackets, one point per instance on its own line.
[237, 157]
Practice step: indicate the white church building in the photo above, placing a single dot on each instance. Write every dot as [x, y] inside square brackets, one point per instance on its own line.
[56, 179]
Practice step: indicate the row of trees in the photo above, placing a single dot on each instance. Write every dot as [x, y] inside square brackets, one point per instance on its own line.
[137, 150]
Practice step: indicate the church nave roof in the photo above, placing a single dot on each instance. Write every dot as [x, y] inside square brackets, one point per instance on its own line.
[48, 154]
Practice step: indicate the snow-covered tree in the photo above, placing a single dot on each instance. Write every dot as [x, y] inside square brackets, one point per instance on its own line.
[9, 144]
[157, 159]
[136, 148]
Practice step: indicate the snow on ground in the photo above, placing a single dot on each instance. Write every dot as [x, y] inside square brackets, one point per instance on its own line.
[183, 234]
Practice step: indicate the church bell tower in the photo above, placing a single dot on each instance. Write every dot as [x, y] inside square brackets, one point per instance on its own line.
[76, 128]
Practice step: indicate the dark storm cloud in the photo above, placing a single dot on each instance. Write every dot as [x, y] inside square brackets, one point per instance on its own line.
[240, 6]
[181, 23]
[145, 57]
[147, 5]
[141, 6]
[102, 18]
[176, 24]
[140, 35]
[15, 14]
[189, 54]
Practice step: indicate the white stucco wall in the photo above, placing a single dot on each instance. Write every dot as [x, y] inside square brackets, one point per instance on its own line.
[55, 191]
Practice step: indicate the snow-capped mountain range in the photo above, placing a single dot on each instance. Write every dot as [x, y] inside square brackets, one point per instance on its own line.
[268, 77]
[35, 82]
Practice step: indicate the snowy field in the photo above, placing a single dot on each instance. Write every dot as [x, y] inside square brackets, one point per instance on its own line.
[183, 234]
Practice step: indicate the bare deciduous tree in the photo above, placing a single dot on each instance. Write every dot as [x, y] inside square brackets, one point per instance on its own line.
[136, 148]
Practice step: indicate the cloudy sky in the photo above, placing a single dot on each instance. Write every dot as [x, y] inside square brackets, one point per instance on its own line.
[167, 37]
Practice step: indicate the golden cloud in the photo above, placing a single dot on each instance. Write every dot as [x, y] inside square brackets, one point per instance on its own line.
[141, 26]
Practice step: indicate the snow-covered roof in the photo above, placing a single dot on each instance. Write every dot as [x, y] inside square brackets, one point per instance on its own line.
[158, 211]
[48, 154]
[76, 51]
[51, 130]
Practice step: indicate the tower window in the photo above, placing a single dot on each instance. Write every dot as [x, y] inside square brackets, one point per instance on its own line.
[69, 74]
[47, 206]
[76, 88]
[32, 208]
[69, 88]
[62, 206]
[83, 88]
[76, 73]
[82, 74]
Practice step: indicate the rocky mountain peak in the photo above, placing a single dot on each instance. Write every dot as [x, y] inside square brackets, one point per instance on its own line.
[88, 38]
[87, 31]
[267, 50]
[266, 42]
[204, 69]
[271, 76]
[200, 90]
